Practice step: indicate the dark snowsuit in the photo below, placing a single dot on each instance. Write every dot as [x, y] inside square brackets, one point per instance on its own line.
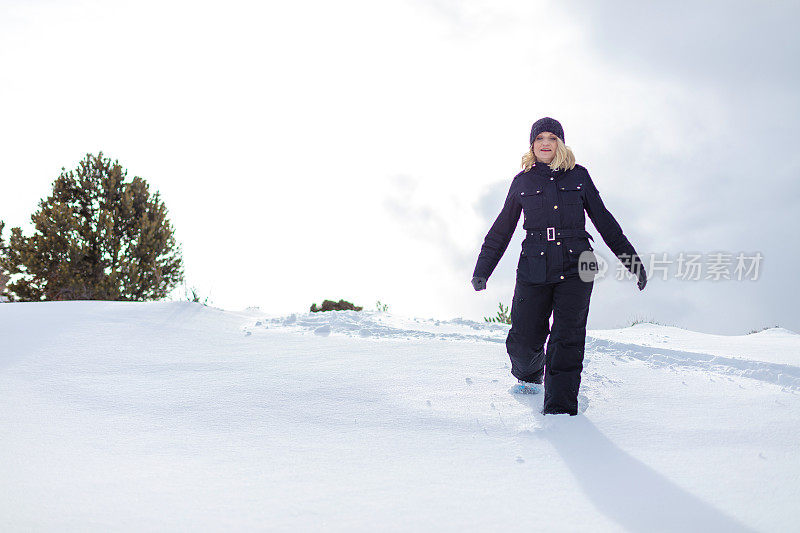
[547, 274]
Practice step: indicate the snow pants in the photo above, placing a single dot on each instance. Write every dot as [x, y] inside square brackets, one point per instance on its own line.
[531, 307]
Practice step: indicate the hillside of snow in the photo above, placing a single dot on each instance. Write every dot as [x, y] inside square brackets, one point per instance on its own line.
[174, 416]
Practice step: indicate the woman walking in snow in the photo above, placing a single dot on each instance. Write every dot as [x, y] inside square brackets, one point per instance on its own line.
[553, 192]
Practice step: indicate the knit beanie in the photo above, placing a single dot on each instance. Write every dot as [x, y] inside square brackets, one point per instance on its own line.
[547, 124]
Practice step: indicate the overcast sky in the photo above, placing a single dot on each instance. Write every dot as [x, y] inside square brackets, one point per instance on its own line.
[362, 149]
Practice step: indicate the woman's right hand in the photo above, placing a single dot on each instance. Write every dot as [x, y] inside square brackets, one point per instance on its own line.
[479, 283]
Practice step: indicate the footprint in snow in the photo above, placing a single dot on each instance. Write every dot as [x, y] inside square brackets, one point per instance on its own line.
[583, 403]
[520, 459]
[468, 380]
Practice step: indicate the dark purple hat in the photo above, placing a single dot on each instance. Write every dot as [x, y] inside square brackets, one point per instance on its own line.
[547, 124]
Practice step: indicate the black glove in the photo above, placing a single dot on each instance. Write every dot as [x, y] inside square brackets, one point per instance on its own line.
[636, 267]
[642, 279]
[479, 283]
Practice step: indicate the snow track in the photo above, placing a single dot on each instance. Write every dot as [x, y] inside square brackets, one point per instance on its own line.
[384, 325]
[784, 375]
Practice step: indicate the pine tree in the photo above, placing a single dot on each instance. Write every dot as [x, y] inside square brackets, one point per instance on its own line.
[4, 277]
[503, 315]
[96, 237]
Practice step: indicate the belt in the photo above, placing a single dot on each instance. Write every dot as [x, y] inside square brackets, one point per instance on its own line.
[552, 233]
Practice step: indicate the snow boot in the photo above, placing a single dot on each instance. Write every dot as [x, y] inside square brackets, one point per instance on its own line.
[527, 387]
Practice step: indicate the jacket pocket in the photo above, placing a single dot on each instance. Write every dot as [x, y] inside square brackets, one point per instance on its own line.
[532, 266]
[575, 247]
[571, 194]
[531, 199]
[580, 256]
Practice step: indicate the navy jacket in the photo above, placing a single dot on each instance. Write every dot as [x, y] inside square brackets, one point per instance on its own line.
[554, 199]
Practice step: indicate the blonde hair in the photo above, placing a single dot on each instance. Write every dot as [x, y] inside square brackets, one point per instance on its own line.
[564, 158]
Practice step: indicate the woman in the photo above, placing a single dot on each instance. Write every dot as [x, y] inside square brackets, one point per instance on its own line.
[553, 192]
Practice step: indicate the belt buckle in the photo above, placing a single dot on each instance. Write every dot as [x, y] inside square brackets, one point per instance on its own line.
[551, 234]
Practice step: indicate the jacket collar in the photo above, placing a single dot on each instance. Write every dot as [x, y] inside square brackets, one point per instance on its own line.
[543, 169]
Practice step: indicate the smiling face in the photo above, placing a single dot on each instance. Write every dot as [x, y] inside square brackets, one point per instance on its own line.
[544, 146]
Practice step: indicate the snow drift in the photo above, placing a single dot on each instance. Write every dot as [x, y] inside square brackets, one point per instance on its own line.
[165, 416]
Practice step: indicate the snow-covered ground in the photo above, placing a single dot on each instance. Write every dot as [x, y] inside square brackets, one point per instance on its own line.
[173, 416]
